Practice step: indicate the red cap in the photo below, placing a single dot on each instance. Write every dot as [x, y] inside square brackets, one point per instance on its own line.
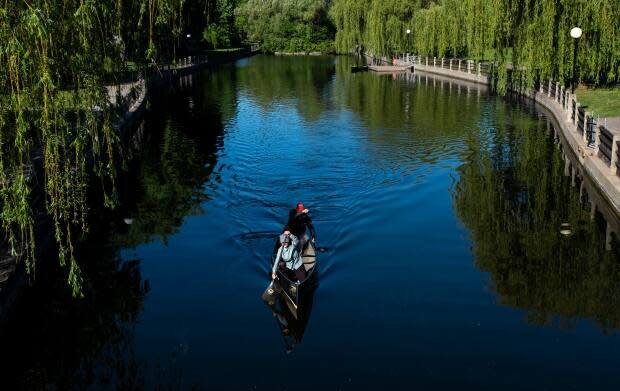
[300, 207]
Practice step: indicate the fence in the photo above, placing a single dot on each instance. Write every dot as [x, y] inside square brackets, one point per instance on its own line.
[605, 142]
[480, 68]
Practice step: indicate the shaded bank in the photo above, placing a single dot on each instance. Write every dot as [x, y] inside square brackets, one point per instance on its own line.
[129, 104]
[53, 339]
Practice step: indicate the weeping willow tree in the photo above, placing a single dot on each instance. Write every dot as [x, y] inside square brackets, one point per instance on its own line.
[159, 15]
[529, 37]
[46, 47]
[162, 30]
[56, 122]
[378, 27]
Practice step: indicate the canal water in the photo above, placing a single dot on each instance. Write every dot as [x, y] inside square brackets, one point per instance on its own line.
[439, 208]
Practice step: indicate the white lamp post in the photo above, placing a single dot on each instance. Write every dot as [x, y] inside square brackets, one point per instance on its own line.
[408, 44]
[575, 33]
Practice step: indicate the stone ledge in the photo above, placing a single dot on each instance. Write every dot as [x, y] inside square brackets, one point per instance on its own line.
[474, 77]
[608, 184]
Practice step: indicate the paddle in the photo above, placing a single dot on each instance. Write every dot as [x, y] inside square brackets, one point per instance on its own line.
[269, 295]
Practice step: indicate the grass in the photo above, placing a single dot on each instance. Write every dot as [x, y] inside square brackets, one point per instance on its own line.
[604, 102]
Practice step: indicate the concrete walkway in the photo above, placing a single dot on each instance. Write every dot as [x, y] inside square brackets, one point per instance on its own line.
[612, 123]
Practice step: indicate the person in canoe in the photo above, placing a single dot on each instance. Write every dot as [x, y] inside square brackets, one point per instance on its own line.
[298, 219]
[288, 259]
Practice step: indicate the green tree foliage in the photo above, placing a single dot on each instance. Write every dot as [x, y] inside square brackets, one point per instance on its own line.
[221, 31]
[287, 25]
[46, 46]
[156, 30]
[530, 37]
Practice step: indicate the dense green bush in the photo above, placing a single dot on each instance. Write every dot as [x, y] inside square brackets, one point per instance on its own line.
[287, 25]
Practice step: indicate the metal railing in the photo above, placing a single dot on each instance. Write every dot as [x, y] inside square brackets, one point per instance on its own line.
[605, 145]
[617, 156]
[480, 68]
[580, 119]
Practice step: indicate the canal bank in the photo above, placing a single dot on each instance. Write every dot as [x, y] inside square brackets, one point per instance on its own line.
[129, 99]
[599, 208]
[600, 158]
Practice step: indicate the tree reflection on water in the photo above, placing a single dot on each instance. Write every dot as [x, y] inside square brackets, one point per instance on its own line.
[513, 196]
[185, 128]
[52, 338]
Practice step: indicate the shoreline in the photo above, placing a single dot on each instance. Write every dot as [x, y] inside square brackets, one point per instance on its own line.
[606, 182]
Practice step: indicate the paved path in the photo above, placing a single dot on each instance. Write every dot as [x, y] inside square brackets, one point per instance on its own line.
[612, 123]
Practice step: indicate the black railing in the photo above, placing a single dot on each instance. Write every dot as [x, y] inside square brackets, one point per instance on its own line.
[618, 157]
[605, 143]
[580, 117]
[591, 132]
[563, 100]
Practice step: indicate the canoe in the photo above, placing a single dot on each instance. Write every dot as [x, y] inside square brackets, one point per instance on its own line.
[389, 68]
[295, 292]
[292, 322]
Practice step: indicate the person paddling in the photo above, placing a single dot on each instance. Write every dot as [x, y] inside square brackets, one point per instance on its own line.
[288, 259]
[298, 219]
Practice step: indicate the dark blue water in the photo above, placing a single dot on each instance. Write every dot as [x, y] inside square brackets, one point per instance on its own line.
[439, 206]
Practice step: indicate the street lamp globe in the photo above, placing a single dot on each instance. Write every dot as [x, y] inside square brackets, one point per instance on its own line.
[188, 35]
[576, 32]
[408, 31]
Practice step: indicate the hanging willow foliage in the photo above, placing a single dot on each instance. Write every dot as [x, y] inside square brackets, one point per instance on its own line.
[55, 115]
[44, 47]
[531, 37]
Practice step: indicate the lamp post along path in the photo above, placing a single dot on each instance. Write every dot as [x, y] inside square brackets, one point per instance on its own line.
[575, 33]
[408, 39]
